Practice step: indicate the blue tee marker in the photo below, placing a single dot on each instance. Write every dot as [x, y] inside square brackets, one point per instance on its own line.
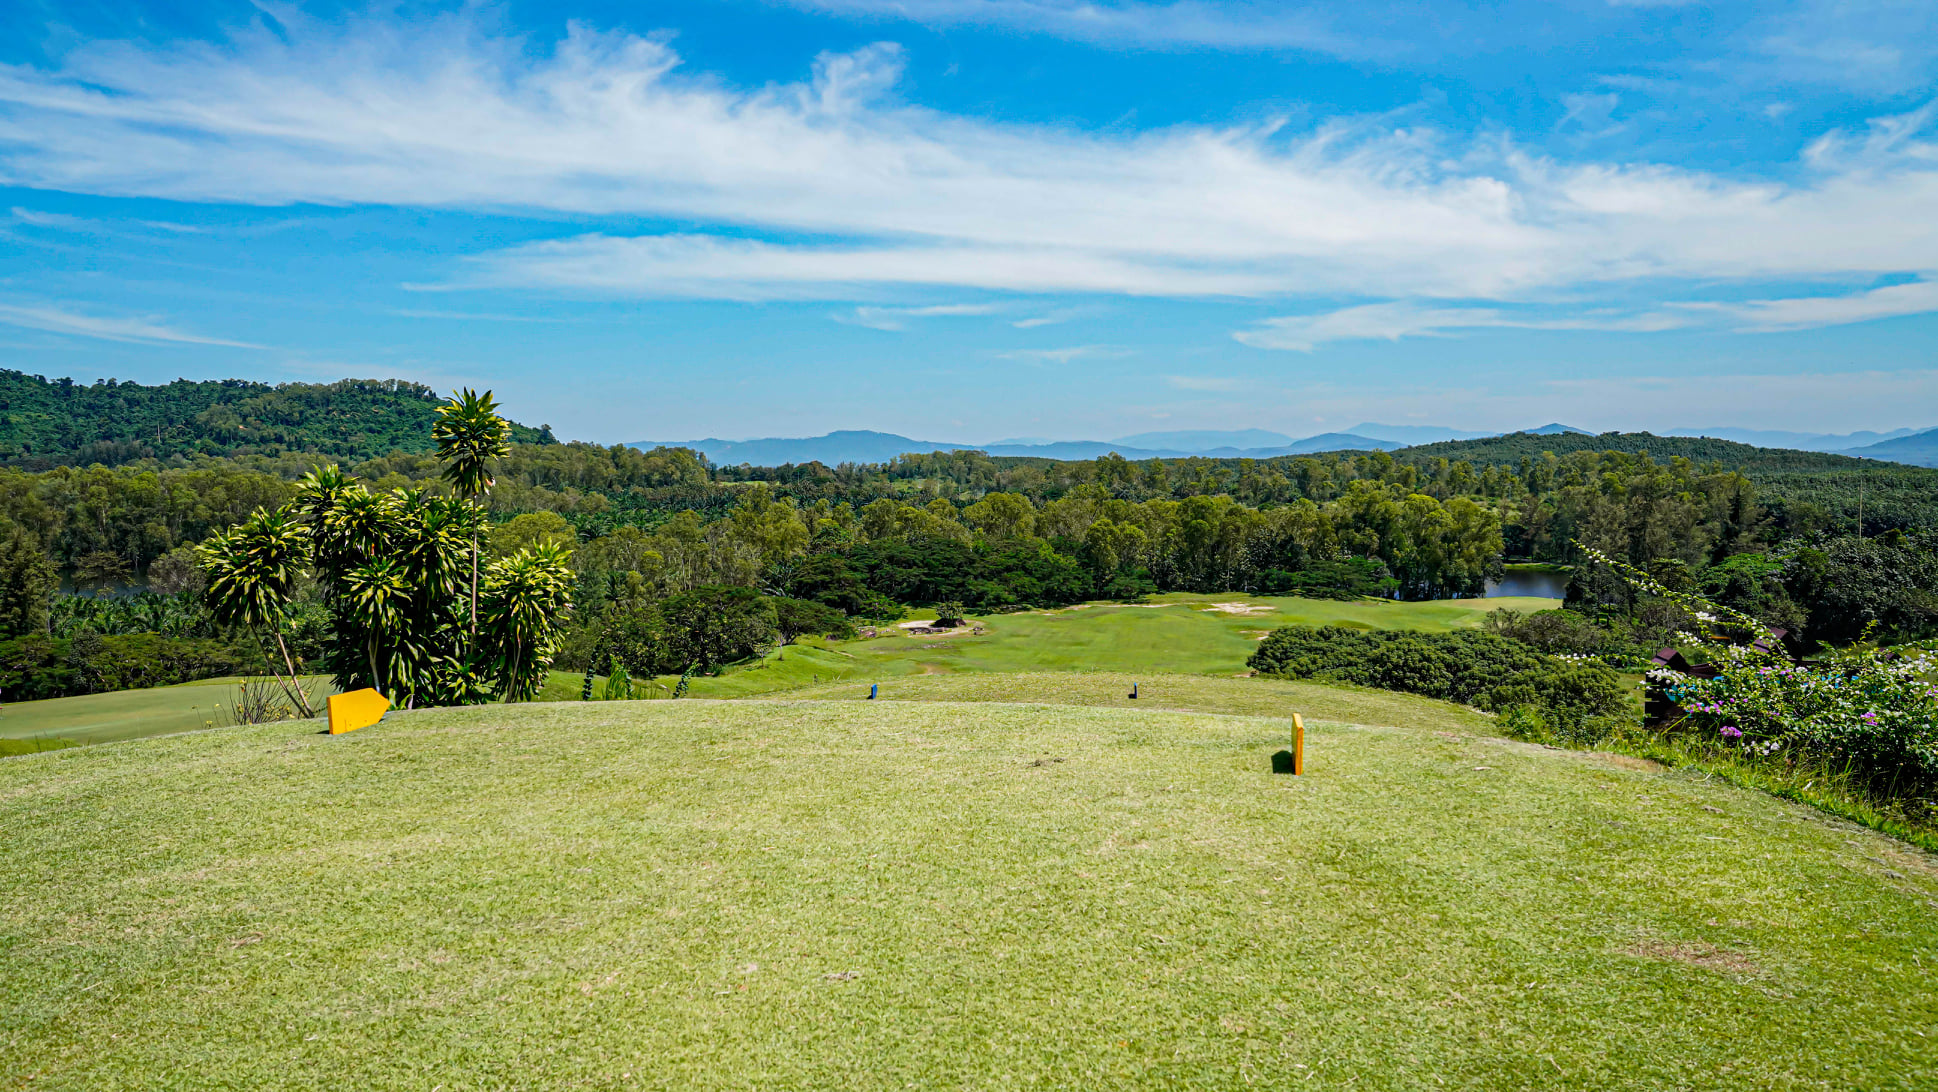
[872, 688]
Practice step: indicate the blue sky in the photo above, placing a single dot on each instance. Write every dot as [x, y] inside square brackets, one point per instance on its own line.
[975, 219]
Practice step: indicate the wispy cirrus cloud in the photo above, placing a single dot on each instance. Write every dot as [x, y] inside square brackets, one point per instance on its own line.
[1183, 23]
[898, 318]
[443, 113]
[1400, 319]
[1063, 355]
[56, 319]
[1394, 320]
[1216, 383]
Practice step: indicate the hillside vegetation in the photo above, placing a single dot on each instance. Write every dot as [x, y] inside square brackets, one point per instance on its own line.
[47, 423]
[882, 895]
[1512, 448]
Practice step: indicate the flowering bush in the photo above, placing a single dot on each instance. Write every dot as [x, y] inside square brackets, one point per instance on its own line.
[1872, 711]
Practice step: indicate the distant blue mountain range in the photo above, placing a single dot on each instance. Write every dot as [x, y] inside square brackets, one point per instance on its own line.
[1842, 443]
[856, 446]
[860, 446]
[879, 447]
[1916, 448]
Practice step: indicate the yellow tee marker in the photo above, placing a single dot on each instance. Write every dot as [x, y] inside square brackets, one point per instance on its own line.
[357, 709]
[1292, 761]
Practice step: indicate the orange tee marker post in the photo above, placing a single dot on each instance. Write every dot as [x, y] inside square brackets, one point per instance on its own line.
[1292, 761]
[357, 709]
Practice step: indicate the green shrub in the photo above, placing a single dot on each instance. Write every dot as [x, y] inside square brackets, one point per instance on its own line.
[1478, 669]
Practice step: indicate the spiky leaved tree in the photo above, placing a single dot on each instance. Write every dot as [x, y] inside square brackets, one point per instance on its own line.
[373, 596]
[469, 435]
[525, 596]
[390, 567]
[253, 568]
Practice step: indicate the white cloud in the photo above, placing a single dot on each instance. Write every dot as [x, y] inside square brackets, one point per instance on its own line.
[64, 222]
[1207, 383]
[1053, 317]
[1183, 23]
[36, 218]
[1065, 355]
[1808, 312]
[1876, 46]
[897, 318]
[1395, 320]
[60, 320]
[443, 114]
[714, 267]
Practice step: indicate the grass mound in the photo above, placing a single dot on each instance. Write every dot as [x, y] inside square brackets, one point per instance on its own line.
[789, 894]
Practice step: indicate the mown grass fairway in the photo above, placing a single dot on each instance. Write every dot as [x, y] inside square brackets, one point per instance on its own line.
[785, 895]
[131, 714]
[1178, 633]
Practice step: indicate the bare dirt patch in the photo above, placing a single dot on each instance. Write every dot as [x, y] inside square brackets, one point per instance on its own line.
[1697, 953]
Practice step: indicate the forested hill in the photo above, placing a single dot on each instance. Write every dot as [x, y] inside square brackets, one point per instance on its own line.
[47, 423]
[1509, 450]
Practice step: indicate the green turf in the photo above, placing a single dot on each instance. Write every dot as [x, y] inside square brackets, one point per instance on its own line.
[130, 714]
[1175, 633]
[820, 895]
[1172, 633]
[1274, 698]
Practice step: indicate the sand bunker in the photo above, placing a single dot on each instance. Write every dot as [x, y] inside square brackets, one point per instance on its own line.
[1239, 608]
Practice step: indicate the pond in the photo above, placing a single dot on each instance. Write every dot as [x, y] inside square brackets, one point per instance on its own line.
[1537, 580]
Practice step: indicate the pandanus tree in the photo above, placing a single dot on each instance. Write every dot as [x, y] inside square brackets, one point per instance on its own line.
[253, 569]
[469, 435]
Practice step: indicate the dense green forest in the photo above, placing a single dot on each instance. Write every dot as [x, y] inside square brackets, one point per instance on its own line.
[47, 423]
[1774, 532]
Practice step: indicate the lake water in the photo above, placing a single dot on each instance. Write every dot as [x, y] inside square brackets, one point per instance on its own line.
[1546, 585]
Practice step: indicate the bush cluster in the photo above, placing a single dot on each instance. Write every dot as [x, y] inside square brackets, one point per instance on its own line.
[1478, 669]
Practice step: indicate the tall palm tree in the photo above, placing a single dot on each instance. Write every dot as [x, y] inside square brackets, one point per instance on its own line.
[469, 434]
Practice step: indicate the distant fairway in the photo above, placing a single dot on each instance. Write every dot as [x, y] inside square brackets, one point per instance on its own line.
[822, 895]
[1177, 634]
[131, 714]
